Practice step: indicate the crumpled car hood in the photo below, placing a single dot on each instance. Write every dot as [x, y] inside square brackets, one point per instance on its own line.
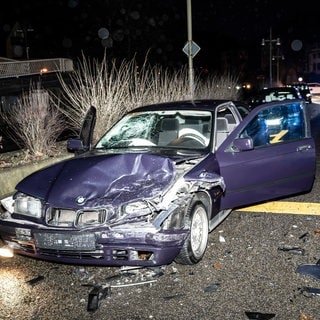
[97, 180]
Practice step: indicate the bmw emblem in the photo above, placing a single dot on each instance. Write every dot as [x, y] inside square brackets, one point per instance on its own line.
[80, 200]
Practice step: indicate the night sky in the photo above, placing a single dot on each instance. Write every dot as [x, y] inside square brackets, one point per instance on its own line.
[128, 28]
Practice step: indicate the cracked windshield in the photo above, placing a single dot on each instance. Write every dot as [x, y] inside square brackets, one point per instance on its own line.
[173, 129]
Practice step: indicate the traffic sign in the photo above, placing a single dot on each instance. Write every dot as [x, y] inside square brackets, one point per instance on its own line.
[191, 48]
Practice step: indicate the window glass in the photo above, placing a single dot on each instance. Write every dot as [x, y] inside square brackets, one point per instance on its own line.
[276, 124]
[187, 129]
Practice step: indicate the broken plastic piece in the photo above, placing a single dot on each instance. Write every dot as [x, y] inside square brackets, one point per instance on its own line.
[96, 295]
[213, 287]
[260, 316]
[312, 270]
[132, 284]
[293, 250]
[178, 295]
[311, 291]
[35, 281]
[305, 235]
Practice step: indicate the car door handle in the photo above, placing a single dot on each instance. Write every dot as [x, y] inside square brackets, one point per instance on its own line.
[305, 147]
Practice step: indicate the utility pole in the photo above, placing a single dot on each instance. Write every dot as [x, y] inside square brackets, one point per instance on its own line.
[271, 41]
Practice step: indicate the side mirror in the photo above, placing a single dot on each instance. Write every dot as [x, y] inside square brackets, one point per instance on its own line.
[75, 145]
[242, 144]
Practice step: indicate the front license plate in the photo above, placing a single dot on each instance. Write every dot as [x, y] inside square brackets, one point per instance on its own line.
[65, 241]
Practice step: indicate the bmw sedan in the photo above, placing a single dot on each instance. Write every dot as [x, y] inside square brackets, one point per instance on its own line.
[158, 182]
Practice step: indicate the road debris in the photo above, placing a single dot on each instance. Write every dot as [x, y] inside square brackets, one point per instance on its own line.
[35, 280]
[305, 236]
[39, 278]
[309, 291]
[96, 295]
[293, 250]
[213, 287]
[127, 277]
[259, 315]
[312, 270]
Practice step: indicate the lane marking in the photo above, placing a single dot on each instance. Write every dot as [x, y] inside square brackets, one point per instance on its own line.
[285, 207]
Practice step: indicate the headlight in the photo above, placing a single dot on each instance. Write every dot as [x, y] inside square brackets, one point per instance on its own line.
[136, 209]
[27, 205]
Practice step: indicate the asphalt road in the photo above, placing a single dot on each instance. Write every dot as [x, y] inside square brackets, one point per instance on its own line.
[252, 269]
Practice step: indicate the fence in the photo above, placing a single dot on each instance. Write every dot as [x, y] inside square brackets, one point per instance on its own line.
[33, 67]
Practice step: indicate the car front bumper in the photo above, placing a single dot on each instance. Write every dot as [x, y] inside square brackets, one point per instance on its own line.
[142, 246]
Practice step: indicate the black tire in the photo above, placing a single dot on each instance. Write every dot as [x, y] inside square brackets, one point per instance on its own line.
[195, 245]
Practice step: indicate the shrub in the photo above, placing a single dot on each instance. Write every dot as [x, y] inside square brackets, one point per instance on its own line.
[115, 88]
[35, 121]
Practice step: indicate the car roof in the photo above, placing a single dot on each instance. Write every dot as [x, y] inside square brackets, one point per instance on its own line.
[281, 89]
[200, 104]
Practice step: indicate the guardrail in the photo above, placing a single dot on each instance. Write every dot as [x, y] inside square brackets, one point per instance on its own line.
[32, 67]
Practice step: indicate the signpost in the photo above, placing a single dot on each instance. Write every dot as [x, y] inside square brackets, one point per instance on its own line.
[190, 48]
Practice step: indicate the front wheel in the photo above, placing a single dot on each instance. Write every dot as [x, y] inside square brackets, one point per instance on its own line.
[195, 245]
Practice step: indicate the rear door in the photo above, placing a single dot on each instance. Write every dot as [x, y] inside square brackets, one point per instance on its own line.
[279, 161]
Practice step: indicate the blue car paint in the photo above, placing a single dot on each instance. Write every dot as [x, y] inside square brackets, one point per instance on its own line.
[96, 179]
[224, 178]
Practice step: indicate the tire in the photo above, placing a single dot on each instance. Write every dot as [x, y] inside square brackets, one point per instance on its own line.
[195, 245]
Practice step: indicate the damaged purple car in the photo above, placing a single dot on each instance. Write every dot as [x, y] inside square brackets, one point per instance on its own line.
[152, 188]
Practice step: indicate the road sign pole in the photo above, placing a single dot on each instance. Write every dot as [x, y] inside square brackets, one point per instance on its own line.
[190, 56]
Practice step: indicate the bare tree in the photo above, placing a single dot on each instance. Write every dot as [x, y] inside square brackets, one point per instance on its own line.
[115, 88]
[35, 121]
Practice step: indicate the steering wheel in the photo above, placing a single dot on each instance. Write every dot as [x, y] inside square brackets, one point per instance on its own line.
[195, 135]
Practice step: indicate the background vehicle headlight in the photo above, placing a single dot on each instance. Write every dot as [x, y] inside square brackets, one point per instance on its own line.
[28, 206]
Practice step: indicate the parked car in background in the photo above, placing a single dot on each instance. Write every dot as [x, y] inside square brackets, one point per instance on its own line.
[163, 177]
[304, 90]
[315, 87]
[274, 94]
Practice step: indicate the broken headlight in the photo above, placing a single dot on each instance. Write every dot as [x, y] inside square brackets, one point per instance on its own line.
[8, 204]
[136, 209]
[27, 205]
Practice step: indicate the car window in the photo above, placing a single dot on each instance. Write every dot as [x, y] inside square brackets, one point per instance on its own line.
[168, 128]
[276, 124]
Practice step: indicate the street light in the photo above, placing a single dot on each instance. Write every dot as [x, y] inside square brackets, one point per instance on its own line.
[24, 34]
[271, 42]
[278, 57]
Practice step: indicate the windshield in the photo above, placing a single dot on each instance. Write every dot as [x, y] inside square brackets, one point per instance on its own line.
[173, 129]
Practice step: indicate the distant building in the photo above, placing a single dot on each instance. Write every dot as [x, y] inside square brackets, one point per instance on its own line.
[313, 63]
